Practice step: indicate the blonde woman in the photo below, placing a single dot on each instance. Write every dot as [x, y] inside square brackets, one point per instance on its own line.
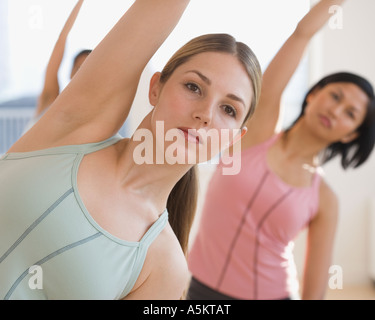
[76, 201]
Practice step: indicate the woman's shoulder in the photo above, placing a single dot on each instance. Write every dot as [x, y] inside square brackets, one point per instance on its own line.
[261, 144]
[326, 190]
[328, 199]
[170, 264]
[168, 249]
[165, 273]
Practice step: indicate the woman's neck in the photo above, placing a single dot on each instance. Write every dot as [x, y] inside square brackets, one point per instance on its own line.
[152, 181]
[300, 143]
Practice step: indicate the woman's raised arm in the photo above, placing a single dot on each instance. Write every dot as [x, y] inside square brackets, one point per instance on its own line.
[281, 69]
[96, 102]
[51, 88]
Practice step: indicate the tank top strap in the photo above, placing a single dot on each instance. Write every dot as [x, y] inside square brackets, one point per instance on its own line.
[317, 178]
[268, 143]
[315, 189]
[92, 147]
[144, 244]
[263, 146]
[155, 229]
[77, 148]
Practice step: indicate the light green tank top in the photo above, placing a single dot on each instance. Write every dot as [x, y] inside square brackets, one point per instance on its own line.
[50, 246]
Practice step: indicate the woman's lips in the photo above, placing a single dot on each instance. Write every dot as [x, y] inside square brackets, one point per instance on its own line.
[191, 135]
[325, 121]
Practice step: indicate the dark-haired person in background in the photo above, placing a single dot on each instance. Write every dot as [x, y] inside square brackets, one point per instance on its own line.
[243, 248]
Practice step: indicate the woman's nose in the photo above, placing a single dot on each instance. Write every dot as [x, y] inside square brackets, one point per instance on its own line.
[204, 112]
[336, 110]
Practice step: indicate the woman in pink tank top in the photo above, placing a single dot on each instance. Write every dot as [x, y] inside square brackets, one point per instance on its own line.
[243, 247]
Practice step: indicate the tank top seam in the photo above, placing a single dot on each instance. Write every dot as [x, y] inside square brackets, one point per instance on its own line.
[71, 158]
[257, 238]
[68, 149]
[143, 247]
[311, 191]
[92, 221]
[239, 229]
[49, 257]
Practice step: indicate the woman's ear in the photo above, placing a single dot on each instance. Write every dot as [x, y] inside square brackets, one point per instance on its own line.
[232, 147]
[312, 94]
[238, 136]
[154, 90]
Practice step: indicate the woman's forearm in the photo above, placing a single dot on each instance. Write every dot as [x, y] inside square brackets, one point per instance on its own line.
[315, 19]
[123, 54]
[71, 19]
[51, 87]
[101, 94]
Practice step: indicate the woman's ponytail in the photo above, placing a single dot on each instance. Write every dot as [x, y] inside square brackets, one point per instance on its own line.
[181, 206]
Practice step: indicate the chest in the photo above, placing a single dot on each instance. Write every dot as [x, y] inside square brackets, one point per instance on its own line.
[263, 198]
[292, 171]
[120, 213]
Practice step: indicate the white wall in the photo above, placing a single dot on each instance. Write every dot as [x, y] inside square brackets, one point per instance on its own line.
[351, 48]
[4, 50]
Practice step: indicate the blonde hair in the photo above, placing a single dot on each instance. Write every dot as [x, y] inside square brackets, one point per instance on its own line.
[182, 201]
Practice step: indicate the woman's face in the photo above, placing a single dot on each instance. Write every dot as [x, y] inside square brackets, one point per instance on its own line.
[336, 111]
[202, 104]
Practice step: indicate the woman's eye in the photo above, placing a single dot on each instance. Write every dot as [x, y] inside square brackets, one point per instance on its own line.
[229, 110]
[192, 87]
[350, 114]
[335, 96]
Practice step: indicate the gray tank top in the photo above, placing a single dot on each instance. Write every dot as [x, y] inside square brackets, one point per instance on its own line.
[50, 246]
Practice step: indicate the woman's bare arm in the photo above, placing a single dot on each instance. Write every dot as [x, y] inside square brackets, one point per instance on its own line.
[165, 275]
[320, 244]
[281, 69]
[51, 88]
[96, 102]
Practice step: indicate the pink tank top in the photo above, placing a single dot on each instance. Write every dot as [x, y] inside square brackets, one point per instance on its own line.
[244, 243]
